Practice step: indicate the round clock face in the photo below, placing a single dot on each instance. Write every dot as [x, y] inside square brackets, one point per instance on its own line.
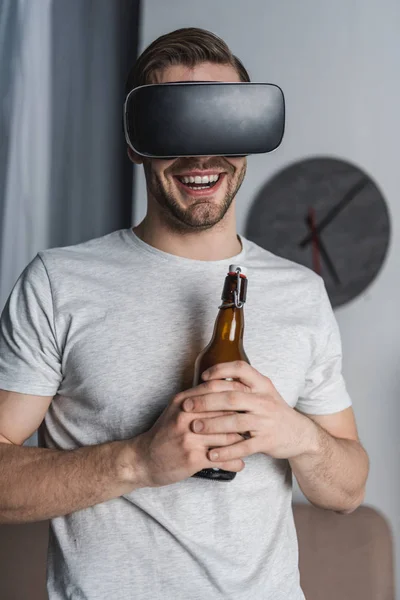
[329, 216]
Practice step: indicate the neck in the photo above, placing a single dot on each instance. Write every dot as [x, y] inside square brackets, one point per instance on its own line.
[217, 243]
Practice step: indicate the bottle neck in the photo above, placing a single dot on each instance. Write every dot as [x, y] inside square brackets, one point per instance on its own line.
[229, 324]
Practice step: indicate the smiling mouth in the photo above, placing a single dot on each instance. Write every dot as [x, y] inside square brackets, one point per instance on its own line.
[204, 182]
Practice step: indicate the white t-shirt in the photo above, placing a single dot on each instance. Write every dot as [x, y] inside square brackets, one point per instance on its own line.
[111, 328]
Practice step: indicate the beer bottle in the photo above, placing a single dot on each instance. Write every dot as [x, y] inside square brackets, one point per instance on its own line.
[226, 344]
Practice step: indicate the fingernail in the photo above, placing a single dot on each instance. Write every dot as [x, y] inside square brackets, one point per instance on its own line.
[204, 375]
[214, 455]
[188, 405]
[198, 426]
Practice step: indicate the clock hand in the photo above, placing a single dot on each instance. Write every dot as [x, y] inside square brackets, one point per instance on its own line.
[310, 220]
[328, 261]
[336, 210]
[320, 246]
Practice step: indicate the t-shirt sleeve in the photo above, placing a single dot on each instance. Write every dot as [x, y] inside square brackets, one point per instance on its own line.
[325, 389]
[30, 361]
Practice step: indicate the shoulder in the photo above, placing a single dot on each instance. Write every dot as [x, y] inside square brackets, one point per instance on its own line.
[81, 256]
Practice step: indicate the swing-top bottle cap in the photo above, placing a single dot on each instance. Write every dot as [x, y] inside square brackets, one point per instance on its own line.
[232, 269]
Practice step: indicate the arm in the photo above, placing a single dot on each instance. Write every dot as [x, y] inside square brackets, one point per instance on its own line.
[332, 472]
[38, 483]
[333, 466]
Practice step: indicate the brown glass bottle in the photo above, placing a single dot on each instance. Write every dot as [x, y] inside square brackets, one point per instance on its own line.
[226, 344]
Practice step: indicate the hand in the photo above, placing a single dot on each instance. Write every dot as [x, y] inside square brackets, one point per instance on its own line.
[170, 451]
[276, 429]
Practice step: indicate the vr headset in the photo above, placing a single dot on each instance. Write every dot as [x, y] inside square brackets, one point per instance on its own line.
[204, 119]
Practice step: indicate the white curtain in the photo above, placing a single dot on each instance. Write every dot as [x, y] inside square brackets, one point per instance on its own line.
[25, 41]
[64, 174]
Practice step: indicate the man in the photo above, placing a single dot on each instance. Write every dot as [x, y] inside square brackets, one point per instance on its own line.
[99, 340]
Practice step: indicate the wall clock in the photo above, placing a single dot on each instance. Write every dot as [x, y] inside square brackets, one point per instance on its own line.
[328, 215]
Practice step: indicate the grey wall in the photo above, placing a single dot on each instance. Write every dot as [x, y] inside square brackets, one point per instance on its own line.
[339, 65]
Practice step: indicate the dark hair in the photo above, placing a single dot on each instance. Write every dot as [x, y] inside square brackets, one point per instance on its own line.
[189, 46]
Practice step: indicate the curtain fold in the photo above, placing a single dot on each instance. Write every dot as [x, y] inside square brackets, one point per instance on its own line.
[93, 42]
[25, 45]
[64, 173]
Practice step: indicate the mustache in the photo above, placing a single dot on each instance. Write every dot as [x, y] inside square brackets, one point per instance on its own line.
[192, 163]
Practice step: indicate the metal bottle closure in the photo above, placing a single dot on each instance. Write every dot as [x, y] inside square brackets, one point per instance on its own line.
[236, 294]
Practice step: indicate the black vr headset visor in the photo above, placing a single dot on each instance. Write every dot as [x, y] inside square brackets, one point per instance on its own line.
[204, 119]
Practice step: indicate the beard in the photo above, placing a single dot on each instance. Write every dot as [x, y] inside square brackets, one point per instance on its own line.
[201, 214]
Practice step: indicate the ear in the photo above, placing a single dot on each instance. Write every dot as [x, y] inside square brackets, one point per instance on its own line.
[134, 157]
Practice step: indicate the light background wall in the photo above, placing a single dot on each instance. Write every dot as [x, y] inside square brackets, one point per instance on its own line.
[339, 66]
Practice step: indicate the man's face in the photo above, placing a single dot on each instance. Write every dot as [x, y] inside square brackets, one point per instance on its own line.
[194, 193]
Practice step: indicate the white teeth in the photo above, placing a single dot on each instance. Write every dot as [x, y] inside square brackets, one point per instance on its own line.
[198, 179]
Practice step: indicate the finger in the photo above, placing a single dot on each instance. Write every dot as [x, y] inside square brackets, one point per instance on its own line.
[220, 385]
[220, 439]
[209, 387]
[215, 413]
[228, 400]
[236, 423]
[183, 421]
[230, 465]
[235, 451]
[239, 370]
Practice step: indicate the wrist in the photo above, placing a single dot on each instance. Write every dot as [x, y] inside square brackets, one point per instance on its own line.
[310, 438]
[128, 466]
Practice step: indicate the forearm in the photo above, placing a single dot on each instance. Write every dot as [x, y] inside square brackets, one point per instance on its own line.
[38, 484]
[333, 472]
